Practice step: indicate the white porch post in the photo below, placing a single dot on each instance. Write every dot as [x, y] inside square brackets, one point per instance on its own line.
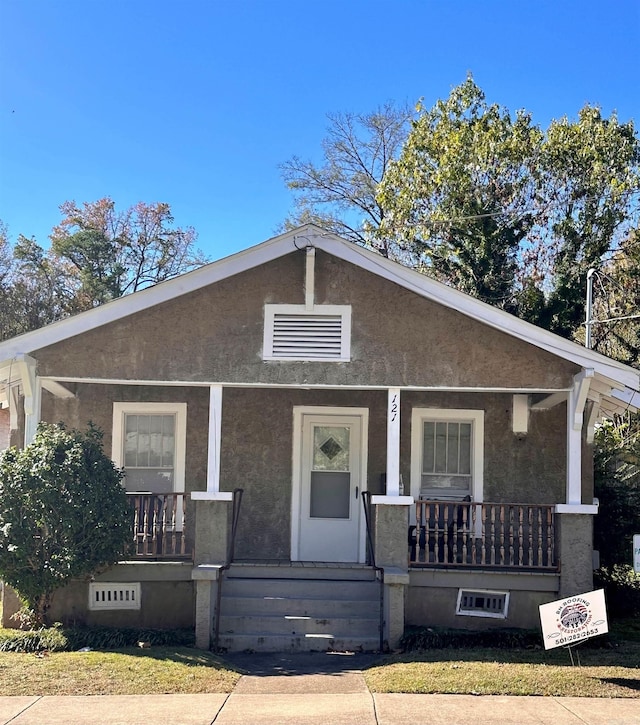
[393, 442]
[393, 495]
[32, 390]
[575, 418]
[213, 492]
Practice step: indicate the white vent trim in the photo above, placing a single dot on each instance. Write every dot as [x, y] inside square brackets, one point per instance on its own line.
[482, 603]
[114, 595]
[321, 333]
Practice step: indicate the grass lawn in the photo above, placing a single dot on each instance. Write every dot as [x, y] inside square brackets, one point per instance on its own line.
[612, 671]
[603, 672]
[124, 672]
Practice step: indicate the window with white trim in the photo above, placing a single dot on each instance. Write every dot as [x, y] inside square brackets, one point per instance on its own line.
[295, 332]
[149, 441]
[447, 454]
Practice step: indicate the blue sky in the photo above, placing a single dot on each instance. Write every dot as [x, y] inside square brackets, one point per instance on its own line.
[196, 102]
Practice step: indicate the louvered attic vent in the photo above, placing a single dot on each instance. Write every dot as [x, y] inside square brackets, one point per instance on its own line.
[292, 332]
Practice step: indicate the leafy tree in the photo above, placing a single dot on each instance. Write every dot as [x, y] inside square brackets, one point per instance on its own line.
[616, 303]
[115, 253]
[30, 293]
[63, 512]
[459, 198]
[97, 254]
[481, 199]
[589, 188]
[617, 485]
[340, 195]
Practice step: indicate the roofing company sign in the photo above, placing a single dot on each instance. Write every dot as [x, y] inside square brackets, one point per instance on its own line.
[574, 619]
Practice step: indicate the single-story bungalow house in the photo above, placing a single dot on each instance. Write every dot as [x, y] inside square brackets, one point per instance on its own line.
[322, 447]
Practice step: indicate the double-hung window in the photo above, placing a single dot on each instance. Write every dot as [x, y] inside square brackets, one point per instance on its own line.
[447, 454]
[149, 443]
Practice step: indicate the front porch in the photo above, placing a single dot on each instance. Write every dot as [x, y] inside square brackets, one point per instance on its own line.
[462, 534]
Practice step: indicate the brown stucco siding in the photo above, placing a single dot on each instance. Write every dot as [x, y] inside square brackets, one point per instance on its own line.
[216, 334]
[257, 446]
[257, 455]
[257, 449]
[95, 403]
[5, 433]
[517, 468]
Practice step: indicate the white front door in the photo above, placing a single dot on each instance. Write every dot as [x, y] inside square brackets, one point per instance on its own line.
[330, 458]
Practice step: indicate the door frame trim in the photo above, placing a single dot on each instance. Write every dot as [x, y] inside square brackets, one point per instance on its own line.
[299, 411]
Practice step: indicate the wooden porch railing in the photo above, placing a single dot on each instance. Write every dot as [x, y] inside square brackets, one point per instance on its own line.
[159, 526]
[467, 534]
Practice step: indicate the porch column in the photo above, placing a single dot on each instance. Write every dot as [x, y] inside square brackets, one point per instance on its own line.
[574, 519]
[213, 492]
[575, 419]
[32, 390]
[393, 442]
[391, 525]
[212, 528]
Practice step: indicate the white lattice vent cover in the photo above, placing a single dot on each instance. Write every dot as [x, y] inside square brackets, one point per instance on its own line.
[482, 603]
[114, 595]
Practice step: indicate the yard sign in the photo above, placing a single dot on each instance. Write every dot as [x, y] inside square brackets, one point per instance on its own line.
[571, 620]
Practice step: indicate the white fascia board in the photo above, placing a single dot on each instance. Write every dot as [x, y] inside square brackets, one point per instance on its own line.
[627, 397]
[371, 261]
[151, 296]
[427, 287]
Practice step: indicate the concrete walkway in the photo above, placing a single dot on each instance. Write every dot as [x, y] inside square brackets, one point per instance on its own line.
[314, 689]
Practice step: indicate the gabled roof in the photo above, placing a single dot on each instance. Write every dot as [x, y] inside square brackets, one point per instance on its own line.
[613, 373]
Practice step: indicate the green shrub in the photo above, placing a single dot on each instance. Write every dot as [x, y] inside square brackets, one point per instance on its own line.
[63, 512]
[51, 639]
[621, 589]
[422, 638]
[57, 639]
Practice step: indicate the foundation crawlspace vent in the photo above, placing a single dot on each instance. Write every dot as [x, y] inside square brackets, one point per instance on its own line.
[114, 595]
[482, 603]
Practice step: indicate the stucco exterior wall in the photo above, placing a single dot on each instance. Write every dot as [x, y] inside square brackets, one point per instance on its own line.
[216, 334]
[5, 436]
[166, 595]
[432, 598]
[95, 403]
[257, 446]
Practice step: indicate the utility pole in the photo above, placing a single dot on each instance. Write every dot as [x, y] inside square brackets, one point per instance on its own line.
[589, 314]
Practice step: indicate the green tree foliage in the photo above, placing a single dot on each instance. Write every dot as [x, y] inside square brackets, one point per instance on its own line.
[63, 512]
[97, 254]
[29, 294]
[482, 199]
[459, 197]
[616, 308]
[617, 486]
[340, 194]
[589, 189]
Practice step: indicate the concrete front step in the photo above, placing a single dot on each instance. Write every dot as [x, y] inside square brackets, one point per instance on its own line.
[300, 588]
[302, 606]
[302, 570]
[315, 608]
[299, 625]
[263, 642]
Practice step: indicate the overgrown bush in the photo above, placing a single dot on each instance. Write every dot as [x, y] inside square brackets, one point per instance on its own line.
[63, 512]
